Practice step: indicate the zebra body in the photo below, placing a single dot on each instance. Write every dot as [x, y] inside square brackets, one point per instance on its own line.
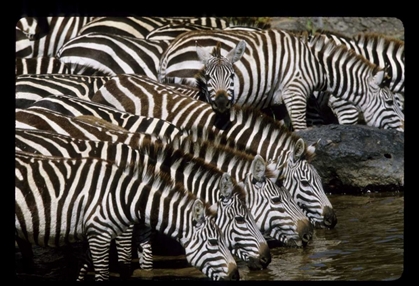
[111, 54]
[245, 127]
[40, 65]
[141, 27]
[98, 210]
[54, 32]
[33, 87]
[169, 32]
[281, 68]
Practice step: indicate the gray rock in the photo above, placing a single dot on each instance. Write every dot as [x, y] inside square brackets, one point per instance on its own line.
[357, 158]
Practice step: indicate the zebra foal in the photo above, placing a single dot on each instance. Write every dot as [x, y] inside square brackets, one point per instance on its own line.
[109, 200]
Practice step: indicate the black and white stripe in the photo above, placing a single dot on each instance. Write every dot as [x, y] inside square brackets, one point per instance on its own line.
[96, 209]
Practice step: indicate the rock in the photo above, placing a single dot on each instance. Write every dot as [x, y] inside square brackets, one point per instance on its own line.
[349, 26]
[357, 158]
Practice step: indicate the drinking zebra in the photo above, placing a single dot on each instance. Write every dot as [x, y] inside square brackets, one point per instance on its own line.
[32, 87]
[208, 183]
[245, 127]
[280, 68]
[379, 49]
[98, 210]
[46, 35]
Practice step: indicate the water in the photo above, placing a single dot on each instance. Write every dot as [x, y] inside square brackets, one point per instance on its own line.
[367, 244]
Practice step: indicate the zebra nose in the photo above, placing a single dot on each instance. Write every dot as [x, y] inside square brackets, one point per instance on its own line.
[305, 230]
[221, 103]
[330, 219]
[263, 259]
[233, 273]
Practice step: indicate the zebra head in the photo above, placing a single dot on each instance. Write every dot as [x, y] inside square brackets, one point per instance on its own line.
[383, 110]
[205, 247]
[216, 79]
[238, 226]
[276, 213]
[303, 182]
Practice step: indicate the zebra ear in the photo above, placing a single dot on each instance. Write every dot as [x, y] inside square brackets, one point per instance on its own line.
[198, 212]
[203, 54]
[226, 186]
[258, 168]
[377, 78]
[299, 149]
[237, 52]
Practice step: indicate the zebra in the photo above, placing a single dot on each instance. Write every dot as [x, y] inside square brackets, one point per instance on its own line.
[73, 106]
[40, 65]
[246, 127]
[379, 49]
[208, 183]
[54, 32]
[98, 211]
[33, 87]
[303, 67]
[141, 27]
[369, 94]
[111, 54]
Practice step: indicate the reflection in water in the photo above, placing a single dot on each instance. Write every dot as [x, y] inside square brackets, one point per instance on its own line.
[366, 244]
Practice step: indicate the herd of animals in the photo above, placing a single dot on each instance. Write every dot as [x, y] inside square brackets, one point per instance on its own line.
[184, 126]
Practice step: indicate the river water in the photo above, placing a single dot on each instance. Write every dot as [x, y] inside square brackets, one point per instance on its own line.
[367, 244]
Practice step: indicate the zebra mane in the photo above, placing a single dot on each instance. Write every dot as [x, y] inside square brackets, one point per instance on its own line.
[266, 125]
[381, 40]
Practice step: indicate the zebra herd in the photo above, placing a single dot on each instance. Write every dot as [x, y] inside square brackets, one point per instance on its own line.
[127, 126]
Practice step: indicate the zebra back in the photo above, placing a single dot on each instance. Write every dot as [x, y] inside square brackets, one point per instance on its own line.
[33, 87]
[141, 27]
[112, 54]
[56, 174]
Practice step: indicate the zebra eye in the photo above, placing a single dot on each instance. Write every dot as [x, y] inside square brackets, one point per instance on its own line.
[212, 241]
[305, 183]
[276, 200]
[240, 219]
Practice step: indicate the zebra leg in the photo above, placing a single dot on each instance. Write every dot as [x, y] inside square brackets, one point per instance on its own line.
[296, 103]
[25, 248]
[85, 264]
[123, 243]
[99, 248]
[142, 237]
